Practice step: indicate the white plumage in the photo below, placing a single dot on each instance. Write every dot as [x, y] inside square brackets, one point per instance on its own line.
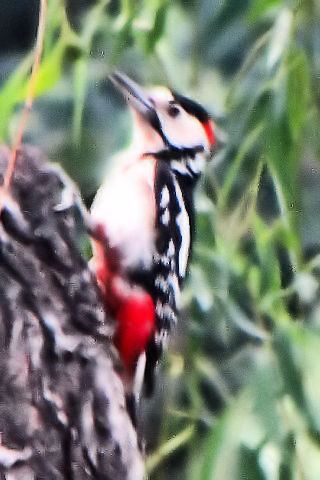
[125, 206]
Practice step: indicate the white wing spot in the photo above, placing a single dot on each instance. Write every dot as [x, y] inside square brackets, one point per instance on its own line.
[165, 312]
[162, 283]
[174, 283]
[165, 217]
[171, 249]
[164, 198]
[183, 224]
[163, 259]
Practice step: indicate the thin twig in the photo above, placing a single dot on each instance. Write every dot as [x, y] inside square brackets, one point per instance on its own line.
[28, 104]
[170, 446]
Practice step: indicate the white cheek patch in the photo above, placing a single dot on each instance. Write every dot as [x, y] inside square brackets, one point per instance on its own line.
[183, 131]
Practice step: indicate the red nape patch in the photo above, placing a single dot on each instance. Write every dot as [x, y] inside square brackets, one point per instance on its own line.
[135, 325]
[208, 128]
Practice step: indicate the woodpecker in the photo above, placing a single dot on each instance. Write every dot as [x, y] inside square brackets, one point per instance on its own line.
[144, 222]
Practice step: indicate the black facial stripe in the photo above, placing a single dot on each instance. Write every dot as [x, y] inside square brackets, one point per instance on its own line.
[192, 107]
[175, 153]
[156, 125]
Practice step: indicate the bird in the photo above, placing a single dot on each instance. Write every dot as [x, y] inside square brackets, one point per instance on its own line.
[144, 223]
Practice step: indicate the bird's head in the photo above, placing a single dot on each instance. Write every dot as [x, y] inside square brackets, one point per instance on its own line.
[169, 126]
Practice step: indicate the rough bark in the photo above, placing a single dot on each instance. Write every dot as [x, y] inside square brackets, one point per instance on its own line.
[62, 407]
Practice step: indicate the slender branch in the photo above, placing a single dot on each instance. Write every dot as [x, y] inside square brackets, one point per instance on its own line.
[170, 446]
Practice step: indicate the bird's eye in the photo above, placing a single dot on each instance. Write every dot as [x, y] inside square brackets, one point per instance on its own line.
[173, 111]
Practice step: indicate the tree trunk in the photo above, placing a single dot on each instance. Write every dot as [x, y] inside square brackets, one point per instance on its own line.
[62, 406]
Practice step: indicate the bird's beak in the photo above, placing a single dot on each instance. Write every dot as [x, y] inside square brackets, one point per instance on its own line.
[138, 99]
[133, 93]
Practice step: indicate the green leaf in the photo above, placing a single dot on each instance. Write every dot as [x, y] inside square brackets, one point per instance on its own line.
[158, 27]
[308, 457]
[285, 344]
[249, 468]
[245, 148]
[268, 262]
[219, 446]
[265, 387]
[15, 89]
[298, 91]
[305, 347]
[280, 38]
[260, 8]
[286, 115]
[281, 152]
[50, 69]
[236, 426]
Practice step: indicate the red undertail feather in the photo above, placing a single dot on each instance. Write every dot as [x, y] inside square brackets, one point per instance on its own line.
[132, 308]
[136, 324]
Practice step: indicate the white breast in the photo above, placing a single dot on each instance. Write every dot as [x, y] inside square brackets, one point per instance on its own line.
[125, 206]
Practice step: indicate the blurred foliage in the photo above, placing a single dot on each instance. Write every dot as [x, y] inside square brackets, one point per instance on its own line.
[239, 394]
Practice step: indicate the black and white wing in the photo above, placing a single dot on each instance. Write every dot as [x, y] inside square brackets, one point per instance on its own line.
[174, 225]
